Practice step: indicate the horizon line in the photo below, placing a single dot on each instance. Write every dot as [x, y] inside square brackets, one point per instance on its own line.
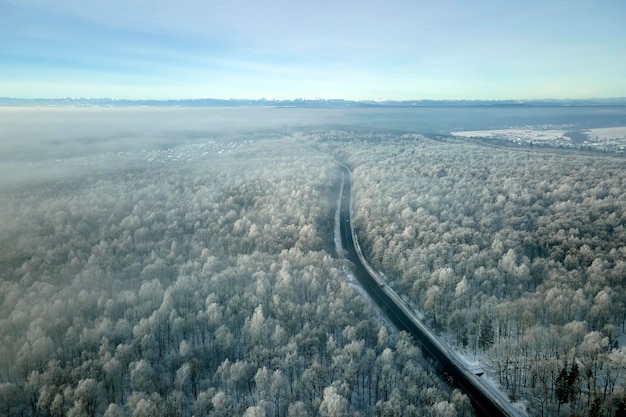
[618, 100]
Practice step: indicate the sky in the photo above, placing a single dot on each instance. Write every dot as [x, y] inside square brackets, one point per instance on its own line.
[285, 49]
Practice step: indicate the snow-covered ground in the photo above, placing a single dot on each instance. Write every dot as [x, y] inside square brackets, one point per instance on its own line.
[337, 234]
[606, 133]
[611, 139]
[516, 134]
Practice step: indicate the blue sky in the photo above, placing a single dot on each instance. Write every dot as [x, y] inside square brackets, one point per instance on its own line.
[364, 49]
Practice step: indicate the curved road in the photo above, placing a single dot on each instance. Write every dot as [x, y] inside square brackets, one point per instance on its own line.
[486, 401]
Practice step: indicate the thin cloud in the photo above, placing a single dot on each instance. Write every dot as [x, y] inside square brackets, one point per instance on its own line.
[404, 48]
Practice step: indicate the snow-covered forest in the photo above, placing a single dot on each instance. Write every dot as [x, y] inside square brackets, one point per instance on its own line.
[150, 284]
[515, 255]
[178, 262]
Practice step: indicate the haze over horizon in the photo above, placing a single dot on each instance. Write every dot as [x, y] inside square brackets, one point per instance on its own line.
[352, 50]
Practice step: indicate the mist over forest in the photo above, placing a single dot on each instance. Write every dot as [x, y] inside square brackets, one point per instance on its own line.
[181, 261]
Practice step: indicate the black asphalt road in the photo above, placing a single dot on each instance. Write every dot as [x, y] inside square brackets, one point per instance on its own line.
[481, 397]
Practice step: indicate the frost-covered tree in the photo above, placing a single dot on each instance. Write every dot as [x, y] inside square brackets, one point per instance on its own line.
[531, 237]
[201, 287]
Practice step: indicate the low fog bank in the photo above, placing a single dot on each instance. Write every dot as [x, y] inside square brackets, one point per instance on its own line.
[31, 134]
[49, 133]
[42, 144]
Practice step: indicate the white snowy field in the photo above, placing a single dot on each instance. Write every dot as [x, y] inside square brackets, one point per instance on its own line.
[512, 134]
[608, 133]
[611, 139]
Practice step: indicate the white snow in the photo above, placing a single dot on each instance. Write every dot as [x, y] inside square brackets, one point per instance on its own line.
[608, 133]
[512, 134]
[338, 247]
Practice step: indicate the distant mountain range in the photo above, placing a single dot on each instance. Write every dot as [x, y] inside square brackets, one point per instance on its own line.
[301, 102]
